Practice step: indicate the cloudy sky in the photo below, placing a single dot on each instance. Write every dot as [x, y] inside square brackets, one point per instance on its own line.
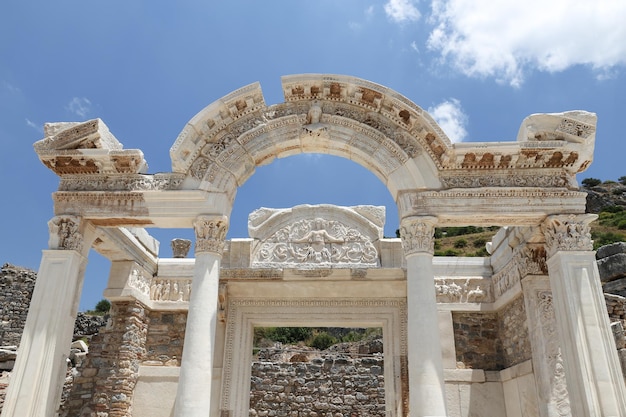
[146, 68]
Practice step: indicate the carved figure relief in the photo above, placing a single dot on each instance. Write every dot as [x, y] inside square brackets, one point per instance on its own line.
[468, 291]
[170, 290]
[317, 241]
[65, 234]
[210, 233]
[418, 235]
[138, 281]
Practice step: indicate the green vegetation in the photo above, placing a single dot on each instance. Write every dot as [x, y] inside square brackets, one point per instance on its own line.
[317, 337]
[590, 182]
[102, 307]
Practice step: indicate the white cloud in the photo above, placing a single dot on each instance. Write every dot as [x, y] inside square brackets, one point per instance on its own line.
[80, 106]
[402, 10]
[34, 125]
[450, 117]
[10, 87]
[508, 39]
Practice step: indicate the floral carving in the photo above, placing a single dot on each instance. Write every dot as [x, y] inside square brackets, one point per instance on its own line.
[317, 242]
[65, 233]
[417, 235]
[568, 233]
[210, 233]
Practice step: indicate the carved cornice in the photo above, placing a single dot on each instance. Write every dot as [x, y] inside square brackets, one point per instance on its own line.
[65, 233]
[210, 233]
[417, 234]
[568, 232]
[528, 259]
[468, 179]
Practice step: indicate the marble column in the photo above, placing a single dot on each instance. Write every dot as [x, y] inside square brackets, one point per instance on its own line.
[193, 398]
[39, 372]
[426, 384]
[592, 370]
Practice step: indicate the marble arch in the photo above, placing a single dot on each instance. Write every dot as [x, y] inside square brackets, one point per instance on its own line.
[105, 198]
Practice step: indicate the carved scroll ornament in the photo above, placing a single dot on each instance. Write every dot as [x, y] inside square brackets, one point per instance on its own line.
[317, 242]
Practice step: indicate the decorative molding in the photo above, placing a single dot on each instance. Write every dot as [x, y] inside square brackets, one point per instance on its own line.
[210, 233]
[122, 182]
[65, 233]
[251, 273]
[467, 179]
[527, 259]
[417, 234]
[568, 232]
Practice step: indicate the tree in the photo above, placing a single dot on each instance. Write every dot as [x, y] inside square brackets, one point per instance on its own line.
[591, 182]
[103, 306]
[622, 180]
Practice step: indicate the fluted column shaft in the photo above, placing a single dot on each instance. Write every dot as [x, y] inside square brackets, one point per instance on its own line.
[193, 398]
[426, 384]
[592, 370]
[39, 372]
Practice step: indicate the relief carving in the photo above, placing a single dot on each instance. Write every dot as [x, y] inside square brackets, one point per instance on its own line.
[468, 291]
[170, 290]
[210, 233]
[65, 233]
[180, 247]
[417, 235]
[138, 281]
[316, 241]
[568, 232]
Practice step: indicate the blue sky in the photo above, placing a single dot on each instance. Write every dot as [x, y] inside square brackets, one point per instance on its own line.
[146, 68]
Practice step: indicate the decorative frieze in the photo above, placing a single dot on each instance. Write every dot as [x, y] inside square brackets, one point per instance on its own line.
[65, 233]
[469, 290]
[568, 232]
[122, 182]
[139, 281]
[210, 233]
[528, 259]
[417, 234]
[170, 290]
[466, 179]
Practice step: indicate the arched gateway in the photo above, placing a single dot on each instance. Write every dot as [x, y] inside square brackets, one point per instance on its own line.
[538, 293]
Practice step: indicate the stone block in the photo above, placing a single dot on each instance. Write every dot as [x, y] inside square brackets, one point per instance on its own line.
[612, 249]
[612, 267]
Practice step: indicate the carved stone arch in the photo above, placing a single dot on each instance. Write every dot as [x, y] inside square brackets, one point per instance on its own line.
[371, 125]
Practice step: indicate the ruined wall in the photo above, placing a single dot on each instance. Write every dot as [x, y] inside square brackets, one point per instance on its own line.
[16, 290]
[477, 342]
[513, 331]
[166, 334]
[322, 387]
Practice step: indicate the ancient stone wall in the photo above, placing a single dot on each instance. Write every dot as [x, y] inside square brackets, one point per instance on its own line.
[323, 387]
[513, 331]
[476, 337]
[105, 381]
[166, 334]
[16, 290]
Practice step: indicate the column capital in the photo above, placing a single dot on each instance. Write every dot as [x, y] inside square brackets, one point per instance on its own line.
[417, 234]
[66, 233]
[568, 232]
[210, 233]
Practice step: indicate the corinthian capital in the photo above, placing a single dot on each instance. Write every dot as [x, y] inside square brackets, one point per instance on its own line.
[65, 233]
[568, 232]
[417, 234]
[210, 233]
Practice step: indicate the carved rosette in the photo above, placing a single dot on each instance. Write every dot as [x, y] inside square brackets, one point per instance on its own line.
[210, 233]
[65, 233]
[417, 234]
[568, 232]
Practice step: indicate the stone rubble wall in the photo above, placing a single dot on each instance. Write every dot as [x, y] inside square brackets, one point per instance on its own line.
[16, 290]
[324, 387]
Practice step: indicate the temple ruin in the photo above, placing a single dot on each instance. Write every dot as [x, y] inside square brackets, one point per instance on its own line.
[524, 331]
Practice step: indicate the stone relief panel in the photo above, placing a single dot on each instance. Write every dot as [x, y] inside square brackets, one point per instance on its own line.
[529, 259]
[469, 290]
[170, 289]
[315, 236]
